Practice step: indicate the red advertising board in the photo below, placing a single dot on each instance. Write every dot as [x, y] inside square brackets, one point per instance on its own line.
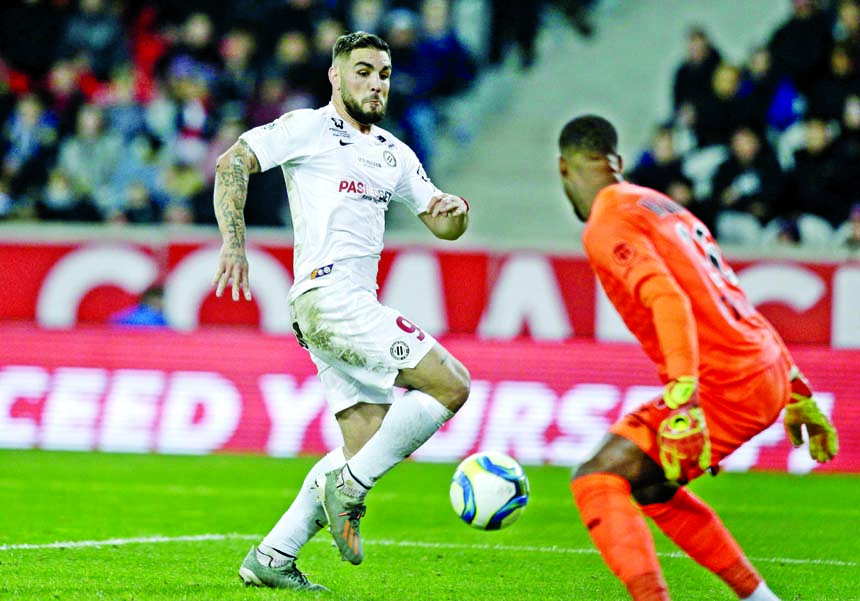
[494, 295]
[229, 389]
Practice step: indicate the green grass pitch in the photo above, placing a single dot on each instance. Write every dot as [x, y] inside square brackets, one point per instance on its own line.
[144, 517]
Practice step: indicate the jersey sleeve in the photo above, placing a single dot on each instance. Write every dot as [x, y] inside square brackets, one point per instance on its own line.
[289, 138]
[626, 253]
[414, 188]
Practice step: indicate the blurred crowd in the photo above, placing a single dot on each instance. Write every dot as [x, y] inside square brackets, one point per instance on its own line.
[768, 152]
[115, 110]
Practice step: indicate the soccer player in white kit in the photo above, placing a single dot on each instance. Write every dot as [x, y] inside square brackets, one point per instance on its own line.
[341, 173]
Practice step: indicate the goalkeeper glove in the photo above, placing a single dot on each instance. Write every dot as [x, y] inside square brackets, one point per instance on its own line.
[683, 434]
[801, 411]
[680, 391]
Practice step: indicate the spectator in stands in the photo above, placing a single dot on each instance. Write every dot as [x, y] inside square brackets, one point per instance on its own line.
[29, 141]
[366, 15]
[846, 29]
[692, 81]
[7, 94]
[816, 185]
[407, 95]
[514, 23]
[447, 70]
[850, 231]
[148, 46]
[827, 93]
[90, 156]
[787, 231]
[760, 82]
[124, 114]
[183, 186]
[238, 80]
[178, 214]
[296, 15]
[275, 97]
[142, 161]
[66, 85]
[724, 109]
[174, 15]
[196, 51]
[660, 167]
[148, 312]
[95, 34]
[801, 46]
[848, 147]
[326, 32]
[748, 183]
[64, 201]
[196, 112]
[291, 62]
[138, 206]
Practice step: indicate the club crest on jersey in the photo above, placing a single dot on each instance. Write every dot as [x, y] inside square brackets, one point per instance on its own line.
[389, 158]
[399, 350]
[322, 271]
[623, 253]
[338, 123]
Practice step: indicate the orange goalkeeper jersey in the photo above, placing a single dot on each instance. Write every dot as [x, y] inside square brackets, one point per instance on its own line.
[666, 276]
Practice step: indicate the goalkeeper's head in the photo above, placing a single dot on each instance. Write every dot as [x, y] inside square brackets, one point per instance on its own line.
[588, 160]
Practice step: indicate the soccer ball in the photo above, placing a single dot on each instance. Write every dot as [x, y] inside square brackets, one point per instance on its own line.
[489, 491]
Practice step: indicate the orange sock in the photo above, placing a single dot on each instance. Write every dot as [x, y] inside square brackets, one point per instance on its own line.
[694, 527]
[620, 533]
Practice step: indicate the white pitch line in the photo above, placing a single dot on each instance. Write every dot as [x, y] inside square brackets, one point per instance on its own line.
[145, 540]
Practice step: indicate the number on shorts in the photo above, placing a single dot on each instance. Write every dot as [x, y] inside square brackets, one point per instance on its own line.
[410, 328]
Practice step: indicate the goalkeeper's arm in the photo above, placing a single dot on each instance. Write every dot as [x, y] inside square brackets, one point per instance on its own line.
[802, 410]
[683, 435]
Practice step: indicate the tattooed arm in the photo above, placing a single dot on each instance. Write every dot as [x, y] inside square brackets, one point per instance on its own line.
[231, 188]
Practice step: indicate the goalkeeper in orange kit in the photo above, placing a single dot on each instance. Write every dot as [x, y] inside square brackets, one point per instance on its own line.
[727, 374]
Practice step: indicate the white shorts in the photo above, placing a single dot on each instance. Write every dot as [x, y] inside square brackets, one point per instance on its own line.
[357, 344]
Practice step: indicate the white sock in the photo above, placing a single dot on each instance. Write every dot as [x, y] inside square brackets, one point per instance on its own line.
[762, 593]
[305, 517]
[409, 423]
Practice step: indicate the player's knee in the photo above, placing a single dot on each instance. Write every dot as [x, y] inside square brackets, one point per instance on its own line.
[595, 465]
[608, 460]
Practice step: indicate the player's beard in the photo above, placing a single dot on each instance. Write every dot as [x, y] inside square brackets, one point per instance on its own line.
[353, 107]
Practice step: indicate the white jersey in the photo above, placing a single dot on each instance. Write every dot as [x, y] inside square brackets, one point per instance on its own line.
[339, 183]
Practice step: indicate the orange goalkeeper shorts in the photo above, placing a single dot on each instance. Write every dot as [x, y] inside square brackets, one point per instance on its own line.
[733, 414]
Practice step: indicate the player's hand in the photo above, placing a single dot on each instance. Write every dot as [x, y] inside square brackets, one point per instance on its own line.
[684, 442]
[681, 391]
[232, 268]
[447, 204]
[804, 411]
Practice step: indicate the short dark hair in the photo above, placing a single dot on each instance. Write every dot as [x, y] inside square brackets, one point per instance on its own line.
[156, 291]
[348, 42]
[588, 133]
